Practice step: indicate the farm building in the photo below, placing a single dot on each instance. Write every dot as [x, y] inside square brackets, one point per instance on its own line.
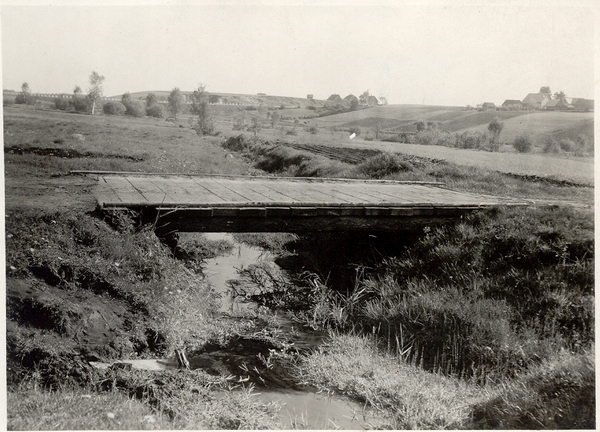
[309, 96]
[581, 104]
[334, 97]
[488, 106]
[537, 100]
[515, 103]
[563, 103]
[372, 101]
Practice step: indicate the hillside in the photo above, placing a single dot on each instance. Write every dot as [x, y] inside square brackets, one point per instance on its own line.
[243, 99]
[404, 118]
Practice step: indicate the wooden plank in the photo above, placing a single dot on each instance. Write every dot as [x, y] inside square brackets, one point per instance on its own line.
[270, 194]
[377, 211]
[303, 211]
[177, 190]
[306, 192]
[356, 195]
[202, 192]
[123, 189]
[228, 194]
[242, 189]
[149, 190]
[278, 211]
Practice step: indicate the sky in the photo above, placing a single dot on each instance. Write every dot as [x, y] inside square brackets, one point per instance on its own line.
[411, 52]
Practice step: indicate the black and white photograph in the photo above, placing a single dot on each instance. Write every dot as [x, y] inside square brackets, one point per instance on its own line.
[269, 214]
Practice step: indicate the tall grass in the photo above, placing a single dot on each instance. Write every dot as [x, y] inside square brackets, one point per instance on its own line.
[490, 296]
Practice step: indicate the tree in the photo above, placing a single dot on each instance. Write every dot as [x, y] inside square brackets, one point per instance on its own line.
[364, 98]
[421, 126]
[495, 127]
[383, 100]
[25, 96]
[79, 103]
[175, 100]
[255, 126]
[546, 90]
[204, 124]
[559, 95]
[133, 107]
[151, 99]
[95, 90]
[275, 119]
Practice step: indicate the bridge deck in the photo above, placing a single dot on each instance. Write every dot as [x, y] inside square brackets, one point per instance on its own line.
[211, 203]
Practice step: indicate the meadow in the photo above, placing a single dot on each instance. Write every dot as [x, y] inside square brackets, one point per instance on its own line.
[488, 323]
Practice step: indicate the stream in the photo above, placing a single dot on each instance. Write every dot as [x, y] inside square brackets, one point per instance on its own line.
[300, 408]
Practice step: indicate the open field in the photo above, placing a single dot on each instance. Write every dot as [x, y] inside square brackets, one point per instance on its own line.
[539, 124]
[428, 332]
[403, 118]
[574, 169]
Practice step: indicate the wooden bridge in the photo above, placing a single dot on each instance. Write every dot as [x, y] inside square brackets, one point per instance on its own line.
[188, 203]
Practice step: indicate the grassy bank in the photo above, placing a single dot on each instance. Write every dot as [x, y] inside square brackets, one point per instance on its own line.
[484, 324]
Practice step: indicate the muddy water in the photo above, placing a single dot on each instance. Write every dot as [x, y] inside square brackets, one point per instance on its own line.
[300, 408]
[221, 269]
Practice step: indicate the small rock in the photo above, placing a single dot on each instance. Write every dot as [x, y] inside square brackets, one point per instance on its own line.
[150, 418]
[110, 415]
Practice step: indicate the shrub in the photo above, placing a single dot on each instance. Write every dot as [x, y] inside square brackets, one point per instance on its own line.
[383, 164]
[81, 104]
[239, 124]
[113, 108]
[522, 144]
[313, 130]
[471, 140]
[292, 132]
[550, 145]
[354, 129]
[134, 108]
[155, 110]
[312, 108]
[566, 144]
[7, 101]
[26, 98]
[61, 103]
[435, 137]
[582, 146]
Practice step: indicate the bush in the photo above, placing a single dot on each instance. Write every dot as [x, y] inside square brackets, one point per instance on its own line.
[113, 108]
[522, 144]
[81, 104]
[313, 130]
[550, 145]
[355, 129]
[134, 108]
[566, 144]
[582, 146]
[383, 164]
[435, 137]
[7, 101]
[292, 132]
[472, 140]
[61, 103]
[155, 110]
[27, 99]
[311, 108]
